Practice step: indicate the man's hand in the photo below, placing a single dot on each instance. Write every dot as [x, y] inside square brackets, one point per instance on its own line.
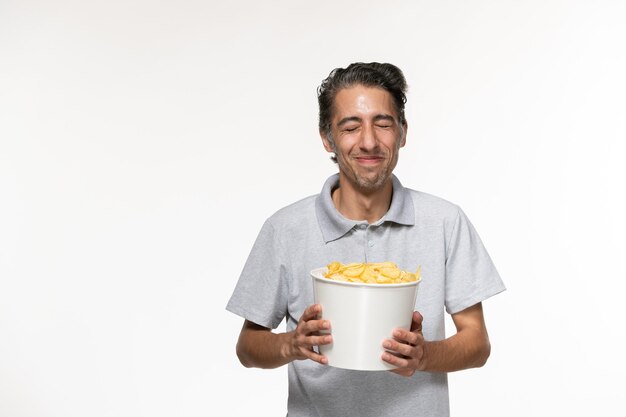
[306, 336]
[259, 347]
[468, 348]
[406, 349]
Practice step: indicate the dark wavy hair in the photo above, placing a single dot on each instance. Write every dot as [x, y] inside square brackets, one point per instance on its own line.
[372, 74]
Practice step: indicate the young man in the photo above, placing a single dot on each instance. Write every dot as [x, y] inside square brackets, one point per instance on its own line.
[364, 214]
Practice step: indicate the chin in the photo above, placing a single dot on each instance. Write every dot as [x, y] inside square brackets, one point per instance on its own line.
[372, 185]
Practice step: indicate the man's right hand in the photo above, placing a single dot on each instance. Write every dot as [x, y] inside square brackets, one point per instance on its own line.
[259, 347]
[306, 336]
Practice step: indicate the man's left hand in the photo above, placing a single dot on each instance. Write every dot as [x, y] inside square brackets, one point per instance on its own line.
[406, 349]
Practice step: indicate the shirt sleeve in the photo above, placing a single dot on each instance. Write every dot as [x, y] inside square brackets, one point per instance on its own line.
[261, 293]
[471, 276]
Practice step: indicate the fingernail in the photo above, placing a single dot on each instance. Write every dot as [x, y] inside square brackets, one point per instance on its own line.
[387, 345]
[397, 333]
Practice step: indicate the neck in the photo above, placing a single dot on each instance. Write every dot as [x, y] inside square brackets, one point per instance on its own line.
[355, 204]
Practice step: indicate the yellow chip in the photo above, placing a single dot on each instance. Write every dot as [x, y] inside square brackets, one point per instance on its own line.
[390, 272]
[333, 267]
[375, 273]
[383, 280]
[354, 272]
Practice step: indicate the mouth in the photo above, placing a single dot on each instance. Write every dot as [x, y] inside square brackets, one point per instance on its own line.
[369, 159]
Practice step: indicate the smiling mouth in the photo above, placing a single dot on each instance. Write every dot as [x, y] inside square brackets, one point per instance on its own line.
[369, 159]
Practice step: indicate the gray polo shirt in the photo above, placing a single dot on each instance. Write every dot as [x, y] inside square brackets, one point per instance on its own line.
[419, 229]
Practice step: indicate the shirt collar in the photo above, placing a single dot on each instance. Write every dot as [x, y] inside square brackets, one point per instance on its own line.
[334, 225]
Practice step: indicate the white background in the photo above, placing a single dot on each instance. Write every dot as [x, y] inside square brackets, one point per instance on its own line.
[143, 143]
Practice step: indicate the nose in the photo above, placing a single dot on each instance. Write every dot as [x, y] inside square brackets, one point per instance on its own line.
[368, 141]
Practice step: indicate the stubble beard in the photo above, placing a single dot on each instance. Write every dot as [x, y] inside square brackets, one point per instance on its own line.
[364, 184]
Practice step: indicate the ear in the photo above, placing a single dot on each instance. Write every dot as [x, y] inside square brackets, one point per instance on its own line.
[405, 128]
[327, 144]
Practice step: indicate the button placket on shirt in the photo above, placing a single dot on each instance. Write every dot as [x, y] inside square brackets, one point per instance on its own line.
[369, 241]
[359, 229]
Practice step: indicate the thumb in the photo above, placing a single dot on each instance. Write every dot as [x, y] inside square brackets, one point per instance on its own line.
[416, 323]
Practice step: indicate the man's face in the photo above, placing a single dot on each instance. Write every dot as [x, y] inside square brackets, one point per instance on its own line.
[366, 136]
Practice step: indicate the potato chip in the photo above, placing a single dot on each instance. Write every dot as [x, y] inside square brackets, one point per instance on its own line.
[392, 273]
[333, 267]
[373, 273]
[354, 271]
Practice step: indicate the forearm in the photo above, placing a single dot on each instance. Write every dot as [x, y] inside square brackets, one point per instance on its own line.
[263, 349]
[469, 348]
[259, 347]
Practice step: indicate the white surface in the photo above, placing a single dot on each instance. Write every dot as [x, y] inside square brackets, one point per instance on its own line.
[143, 143]
[361, 317]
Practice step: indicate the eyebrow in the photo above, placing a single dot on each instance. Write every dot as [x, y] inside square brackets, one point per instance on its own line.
[347, 120]
[384, 117]
[358, 119]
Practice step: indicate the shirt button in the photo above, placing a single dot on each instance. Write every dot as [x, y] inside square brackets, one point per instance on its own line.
[370, 243]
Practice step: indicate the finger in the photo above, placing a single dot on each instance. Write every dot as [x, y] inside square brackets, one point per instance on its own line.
[401, 348]
[403, 371]
[313, 326]
[318, 340]
[416, 323]
[311, 312]
[314, 356]
[395, 360]
[401, 335]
